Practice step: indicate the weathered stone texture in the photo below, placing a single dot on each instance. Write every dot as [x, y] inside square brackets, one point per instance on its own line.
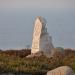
[41, 39]
[64, 70]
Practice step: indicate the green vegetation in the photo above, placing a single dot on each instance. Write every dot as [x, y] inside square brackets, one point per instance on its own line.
[16, 62]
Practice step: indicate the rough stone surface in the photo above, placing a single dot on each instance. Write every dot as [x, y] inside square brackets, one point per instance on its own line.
[57, 51]
[64, 70]
[41, 39]
[38, 54]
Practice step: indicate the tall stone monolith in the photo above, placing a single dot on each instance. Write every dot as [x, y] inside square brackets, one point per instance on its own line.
[41, 39]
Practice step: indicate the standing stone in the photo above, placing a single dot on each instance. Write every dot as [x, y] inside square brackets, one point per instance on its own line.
[41, 39]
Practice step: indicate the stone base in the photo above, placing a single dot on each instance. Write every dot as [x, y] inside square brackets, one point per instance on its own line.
[38, 54]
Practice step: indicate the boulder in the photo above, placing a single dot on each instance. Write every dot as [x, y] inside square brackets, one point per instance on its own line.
[63, 70]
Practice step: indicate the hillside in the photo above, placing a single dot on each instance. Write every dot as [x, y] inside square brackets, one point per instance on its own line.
[15, 61]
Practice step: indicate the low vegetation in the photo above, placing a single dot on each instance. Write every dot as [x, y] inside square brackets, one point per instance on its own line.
[15, 61]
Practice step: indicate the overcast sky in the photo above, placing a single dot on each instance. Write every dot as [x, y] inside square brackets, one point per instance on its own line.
[35, 4]
[17, 20]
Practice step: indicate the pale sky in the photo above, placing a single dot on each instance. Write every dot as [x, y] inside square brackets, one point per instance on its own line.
[37, 4]
[17, 20]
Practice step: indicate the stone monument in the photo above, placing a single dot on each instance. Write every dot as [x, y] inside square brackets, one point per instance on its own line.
[41, 39]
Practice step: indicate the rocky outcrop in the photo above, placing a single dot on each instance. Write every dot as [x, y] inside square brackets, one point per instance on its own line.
[64, 70]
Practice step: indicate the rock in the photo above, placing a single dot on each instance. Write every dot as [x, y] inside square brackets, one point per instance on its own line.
[57, 52]
[41, 39]
[63, 70]
[38, 54]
